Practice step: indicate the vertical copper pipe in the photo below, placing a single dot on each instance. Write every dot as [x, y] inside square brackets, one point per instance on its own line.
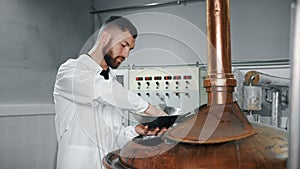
[220, 81]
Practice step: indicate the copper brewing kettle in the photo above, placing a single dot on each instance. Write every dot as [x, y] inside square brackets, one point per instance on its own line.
[219, 136]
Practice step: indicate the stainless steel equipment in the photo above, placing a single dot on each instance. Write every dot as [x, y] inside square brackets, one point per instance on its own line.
[271, 92]
[252, 98]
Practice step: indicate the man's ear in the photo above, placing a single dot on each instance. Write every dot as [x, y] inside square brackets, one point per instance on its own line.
[105, 38]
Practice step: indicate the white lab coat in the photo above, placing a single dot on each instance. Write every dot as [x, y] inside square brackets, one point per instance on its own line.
[81, 94]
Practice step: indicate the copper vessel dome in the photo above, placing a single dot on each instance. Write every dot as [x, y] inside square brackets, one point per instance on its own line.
[266, 149]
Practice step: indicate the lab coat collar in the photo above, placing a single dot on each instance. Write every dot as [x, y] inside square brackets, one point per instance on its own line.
[93, 65]
[90, 62]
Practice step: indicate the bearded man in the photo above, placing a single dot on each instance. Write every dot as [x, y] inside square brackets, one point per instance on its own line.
[90, 102]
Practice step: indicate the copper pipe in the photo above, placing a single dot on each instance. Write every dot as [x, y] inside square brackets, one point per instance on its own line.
[220, 81]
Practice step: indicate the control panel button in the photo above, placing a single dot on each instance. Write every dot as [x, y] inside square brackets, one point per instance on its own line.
[187, 77]
[168, 77]
[139, 78]
[157, 77]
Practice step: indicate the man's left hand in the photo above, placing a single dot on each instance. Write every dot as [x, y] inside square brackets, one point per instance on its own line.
[144, 130]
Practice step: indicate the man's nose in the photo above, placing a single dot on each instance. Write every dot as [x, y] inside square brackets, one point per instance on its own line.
[125, 53]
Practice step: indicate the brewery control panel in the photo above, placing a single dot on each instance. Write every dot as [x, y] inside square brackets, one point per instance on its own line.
[173, 86]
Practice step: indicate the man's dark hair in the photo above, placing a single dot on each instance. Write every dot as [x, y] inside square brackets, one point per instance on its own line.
[123, 24]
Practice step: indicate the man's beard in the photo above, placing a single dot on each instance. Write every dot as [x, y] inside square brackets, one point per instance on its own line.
[111, 62]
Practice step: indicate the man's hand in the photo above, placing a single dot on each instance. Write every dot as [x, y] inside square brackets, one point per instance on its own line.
[143, 130]
[153, 111]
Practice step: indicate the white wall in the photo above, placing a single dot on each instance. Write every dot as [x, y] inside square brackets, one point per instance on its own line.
[27, 142]
[259, 31]
[36, 37]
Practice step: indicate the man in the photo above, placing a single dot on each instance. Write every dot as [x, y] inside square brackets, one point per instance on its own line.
[89, 102]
